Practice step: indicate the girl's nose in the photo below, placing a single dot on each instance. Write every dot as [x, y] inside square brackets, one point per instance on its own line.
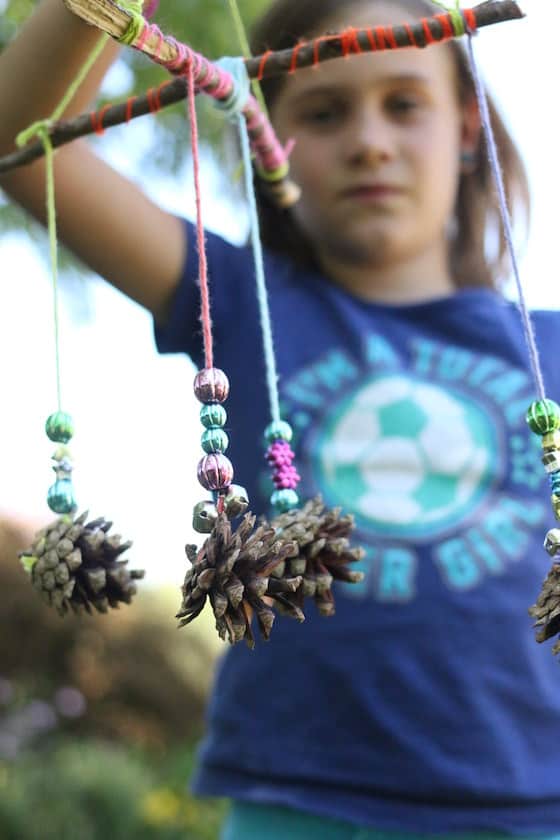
[370, 139]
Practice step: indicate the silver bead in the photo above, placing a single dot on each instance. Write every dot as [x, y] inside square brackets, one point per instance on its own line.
[205, 515]
[552, 541]
[236, 501]
[551, 461]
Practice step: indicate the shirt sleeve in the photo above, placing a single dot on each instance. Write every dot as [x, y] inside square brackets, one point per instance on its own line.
[228, 269]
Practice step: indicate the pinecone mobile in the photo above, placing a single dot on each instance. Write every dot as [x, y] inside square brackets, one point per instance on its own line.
[233, 569]
[324, 552]
[75, 566]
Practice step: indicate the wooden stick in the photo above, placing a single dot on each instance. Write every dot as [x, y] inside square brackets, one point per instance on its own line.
[114, 21]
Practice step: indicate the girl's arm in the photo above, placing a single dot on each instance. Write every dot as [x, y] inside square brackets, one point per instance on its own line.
[102, 217]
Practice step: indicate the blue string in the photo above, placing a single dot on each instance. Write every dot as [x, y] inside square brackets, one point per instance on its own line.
[236, 101]
[262, 296]
[499, 183]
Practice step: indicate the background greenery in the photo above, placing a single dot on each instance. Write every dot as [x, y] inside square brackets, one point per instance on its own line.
[100, 716]
[207, 26]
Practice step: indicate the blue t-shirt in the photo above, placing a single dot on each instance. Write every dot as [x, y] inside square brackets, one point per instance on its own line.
[424, 704]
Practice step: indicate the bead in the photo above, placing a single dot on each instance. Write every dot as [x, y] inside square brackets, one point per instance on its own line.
[278, 430]
[284, 500]
[213, 416]
[543, 416]
[205, 515]
[60, 497]
[552, 541]
[555, 501]
[211, 385]
[551, 441]
[555, 483]
[551, 460]
[59, 427]
[236, 501]
[214, 440]
[62, 453]
[215, 472]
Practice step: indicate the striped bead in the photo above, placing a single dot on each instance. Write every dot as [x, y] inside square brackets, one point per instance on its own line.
[543, 416]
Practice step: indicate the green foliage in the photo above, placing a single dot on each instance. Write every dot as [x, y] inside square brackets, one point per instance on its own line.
[207, 26]
[93, 791]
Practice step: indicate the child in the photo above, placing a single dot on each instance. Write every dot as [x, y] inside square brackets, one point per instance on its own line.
[424, 706]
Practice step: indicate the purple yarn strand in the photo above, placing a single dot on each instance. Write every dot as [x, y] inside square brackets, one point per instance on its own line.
[499, 183]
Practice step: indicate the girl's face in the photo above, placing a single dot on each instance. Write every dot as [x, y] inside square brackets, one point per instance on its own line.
[378, 143]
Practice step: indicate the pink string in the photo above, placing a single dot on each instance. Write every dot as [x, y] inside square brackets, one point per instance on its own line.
[202, 264]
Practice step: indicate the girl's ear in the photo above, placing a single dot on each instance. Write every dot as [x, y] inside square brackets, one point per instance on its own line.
[470, 128]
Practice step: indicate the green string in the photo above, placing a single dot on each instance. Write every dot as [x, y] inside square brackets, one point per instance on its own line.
[136, 23]
[455, 14]
[246, 50]
[41, 129]
[53, 246]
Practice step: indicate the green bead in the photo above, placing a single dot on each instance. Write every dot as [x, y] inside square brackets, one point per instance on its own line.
[284, 500]
[213, 415]
[59, 427]
[60, 497]
[214, 440]
[278, 430]
[543, 417]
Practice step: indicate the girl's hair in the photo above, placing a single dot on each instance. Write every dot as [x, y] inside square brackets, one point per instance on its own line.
[475, 260]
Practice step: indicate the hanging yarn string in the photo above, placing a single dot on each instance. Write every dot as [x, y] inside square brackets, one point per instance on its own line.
[234, 570]
[59, 426]
[323, 551]
[278, 433]
[543, 416]
[74, 564]
[506, 222]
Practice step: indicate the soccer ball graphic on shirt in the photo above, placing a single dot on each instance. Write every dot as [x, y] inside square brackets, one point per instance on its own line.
[407, 457]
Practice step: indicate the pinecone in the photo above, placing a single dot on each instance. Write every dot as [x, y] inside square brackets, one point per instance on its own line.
[547, 609]
[324, 551]
[233, 570]
[75, 566]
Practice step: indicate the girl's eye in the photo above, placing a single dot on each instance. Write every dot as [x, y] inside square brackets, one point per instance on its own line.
[322, 116]
[403, 105]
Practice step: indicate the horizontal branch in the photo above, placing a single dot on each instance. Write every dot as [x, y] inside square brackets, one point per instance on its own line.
[377, 38]
[65, 131]
[114, 20]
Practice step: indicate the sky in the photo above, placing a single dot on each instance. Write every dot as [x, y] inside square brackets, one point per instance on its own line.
[137, 438]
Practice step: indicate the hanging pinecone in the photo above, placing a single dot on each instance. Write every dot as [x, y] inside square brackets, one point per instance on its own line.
[233, 570]
[324, 551]
[547, 609]
[76, 566]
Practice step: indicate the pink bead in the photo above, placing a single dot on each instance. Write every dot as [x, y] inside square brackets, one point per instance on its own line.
[211, 385]
[215, 471]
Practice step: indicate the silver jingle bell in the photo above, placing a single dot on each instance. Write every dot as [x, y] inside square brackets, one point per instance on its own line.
[236, 501]
[205, 515]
